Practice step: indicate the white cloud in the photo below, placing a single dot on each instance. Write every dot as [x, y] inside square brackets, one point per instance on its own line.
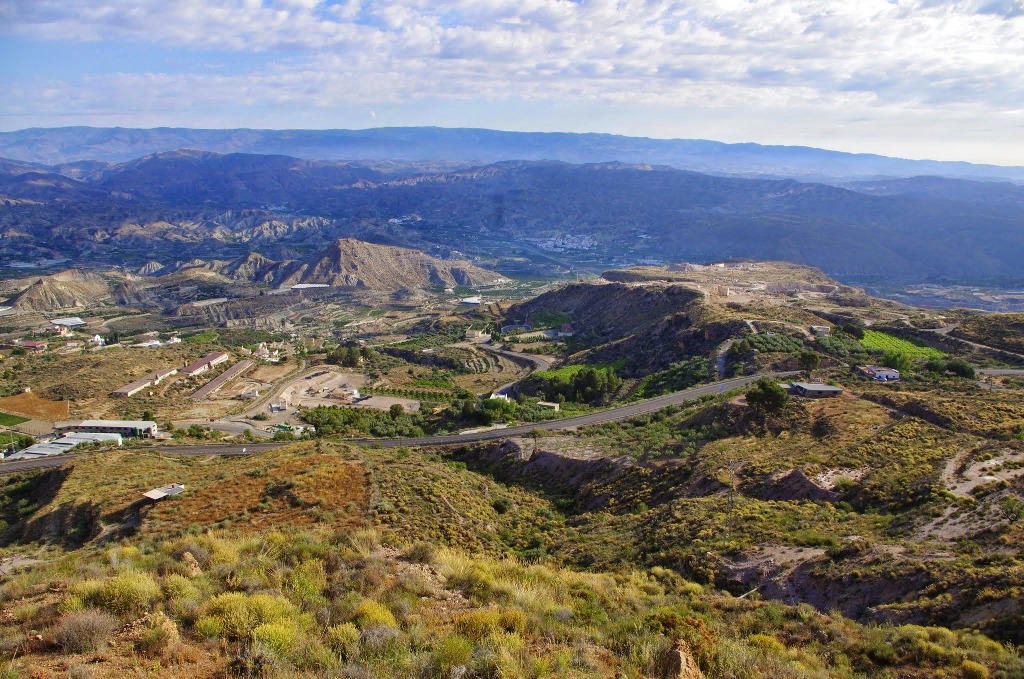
[913, 56]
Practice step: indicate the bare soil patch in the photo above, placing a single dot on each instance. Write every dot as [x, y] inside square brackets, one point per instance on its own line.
[36, 407]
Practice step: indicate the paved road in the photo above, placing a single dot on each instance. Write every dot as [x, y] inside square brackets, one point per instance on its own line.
[537, 362]
[611, 415]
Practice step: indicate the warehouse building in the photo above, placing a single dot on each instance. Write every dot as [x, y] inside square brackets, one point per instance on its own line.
[149, 380]
[126, 428]
[205, 363]
[64, 444]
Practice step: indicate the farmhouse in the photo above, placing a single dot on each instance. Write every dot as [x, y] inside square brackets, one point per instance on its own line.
[820, 330]
[128, 428]
[814, 390]
[32, 345]
[877, 372]
[205, 363]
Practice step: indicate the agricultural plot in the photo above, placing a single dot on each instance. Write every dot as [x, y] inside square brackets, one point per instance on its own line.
[764, 342]
[8, 420]
[881, 341]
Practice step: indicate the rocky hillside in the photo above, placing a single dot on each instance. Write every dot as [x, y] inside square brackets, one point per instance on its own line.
[355, 263]
[644, 329]
[346, 263]
[64, 290]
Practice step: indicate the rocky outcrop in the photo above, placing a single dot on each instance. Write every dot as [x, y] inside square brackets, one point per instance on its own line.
[678, 663]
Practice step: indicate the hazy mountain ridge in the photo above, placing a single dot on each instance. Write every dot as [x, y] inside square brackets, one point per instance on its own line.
[70, 144]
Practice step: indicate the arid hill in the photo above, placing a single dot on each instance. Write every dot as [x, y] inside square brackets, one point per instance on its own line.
[354, 263]
[64, 290]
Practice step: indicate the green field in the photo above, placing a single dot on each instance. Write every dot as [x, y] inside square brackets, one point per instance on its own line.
[8, 420]
[884, 342]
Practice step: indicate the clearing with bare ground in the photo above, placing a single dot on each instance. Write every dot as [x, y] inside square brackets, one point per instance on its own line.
[34, 406]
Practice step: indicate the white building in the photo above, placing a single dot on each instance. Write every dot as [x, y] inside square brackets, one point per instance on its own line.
[205, 363]
[70, 322]
[127, 428]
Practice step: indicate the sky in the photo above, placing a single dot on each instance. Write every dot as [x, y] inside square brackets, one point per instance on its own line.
[912, 78]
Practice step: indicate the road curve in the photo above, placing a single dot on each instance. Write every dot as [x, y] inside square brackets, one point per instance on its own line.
[611, 415]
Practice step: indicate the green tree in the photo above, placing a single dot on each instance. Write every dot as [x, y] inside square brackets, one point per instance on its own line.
[767, 396]
[809, 360]
[960, 368]
[897, 360]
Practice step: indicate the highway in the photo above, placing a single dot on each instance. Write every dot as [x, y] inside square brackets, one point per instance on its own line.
[611, 415]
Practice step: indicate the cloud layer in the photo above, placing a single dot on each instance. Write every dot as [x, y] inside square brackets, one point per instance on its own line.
[893, 60]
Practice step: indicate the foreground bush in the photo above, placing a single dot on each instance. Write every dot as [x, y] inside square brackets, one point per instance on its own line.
[84, 631]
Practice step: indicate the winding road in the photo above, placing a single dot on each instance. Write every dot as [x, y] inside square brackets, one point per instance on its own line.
[611, 415]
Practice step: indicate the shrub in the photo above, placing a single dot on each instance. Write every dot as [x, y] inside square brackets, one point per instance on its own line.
[308, 580]
[343, 640]
[382, 643]
[512, 620]
[239, 614]
[84, 631]
[972, 670]
[374, 614]
[422, 552]
[178, 587]
[453, 651]
[479, 623]
[71, 604]
[128, 592]
[158, 637]
[279, 637]
[767, 643]
[209, 627]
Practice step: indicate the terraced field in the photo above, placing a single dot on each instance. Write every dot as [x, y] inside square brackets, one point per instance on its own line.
[880, 341]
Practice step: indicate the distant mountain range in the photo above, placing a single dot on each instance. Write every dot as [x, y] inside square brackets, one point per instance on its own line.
[55, 146]
[180, 205]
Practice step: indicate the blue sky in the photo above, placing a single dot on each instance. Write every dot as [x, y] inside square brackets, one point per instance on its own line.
[915, 78]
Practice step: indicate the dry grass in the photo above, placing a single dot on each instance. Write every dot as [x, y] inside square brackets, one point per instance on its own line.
[34, 406]
[296, 492]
